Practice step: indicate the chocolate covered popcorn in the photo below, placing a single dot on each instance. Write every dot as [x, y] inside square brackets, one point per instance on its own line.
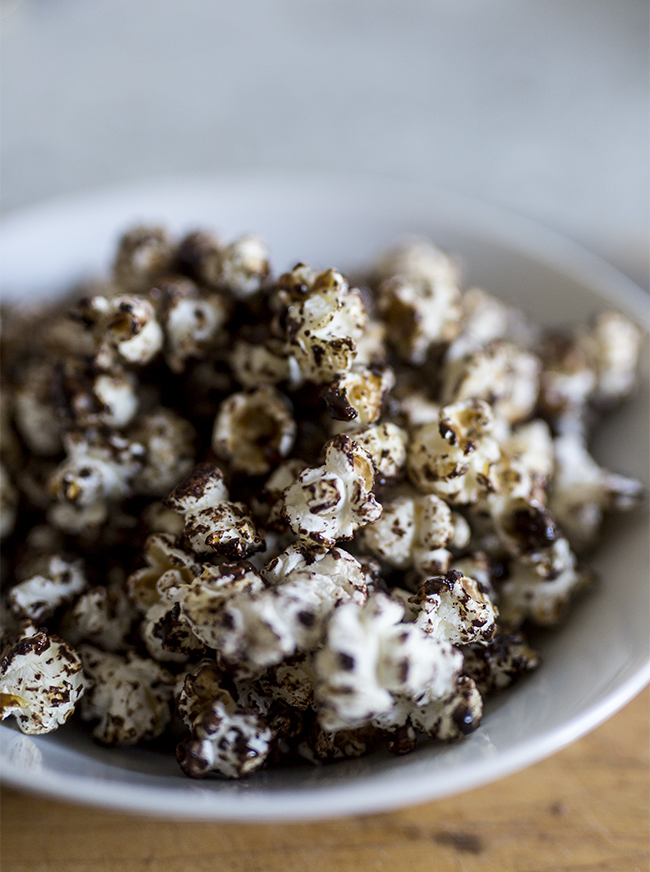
[266, 518]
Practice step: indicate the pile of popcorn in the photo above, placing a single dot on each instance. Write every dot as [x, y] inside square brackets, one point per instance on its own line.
[280, 518]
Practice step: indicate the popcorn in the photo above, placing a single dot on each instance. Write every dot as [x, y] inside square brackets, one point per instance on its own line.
[497, 665]
[260, 628]
[199, 256]
[330, 502]
[40, 597]
[168, 565]
[226, 738]
[525, 594]
[124, 326]
[128, 696]
[412, 532]
[245, 266]
[387, 446]
[41, 681]
[355, 398]
[34, 413]
[612, 345]
[314, 518]
[582, 491]
[455, 456]
[324, 327]
[191, 320]
[254, 430]
[212, 522]
[486, 319]
[454, 608]
[501, 373]
[263, 364]
[168, 440]
[369, 655]
[166, 636]
[143, 254]
[102, 616]
[98, 471]
[203, 599]
[419, 298]
[567, 381]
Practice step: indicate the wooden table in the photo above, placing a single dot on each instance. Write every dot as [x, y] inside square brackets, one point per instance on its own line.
[584, 810]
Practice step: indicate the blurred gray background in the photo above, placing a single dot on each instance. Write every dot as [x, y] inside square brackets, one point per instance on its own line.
[542, 107]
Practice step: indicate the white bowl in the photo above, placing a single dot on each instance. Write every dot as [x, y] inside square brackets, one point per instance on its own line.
[594, 664]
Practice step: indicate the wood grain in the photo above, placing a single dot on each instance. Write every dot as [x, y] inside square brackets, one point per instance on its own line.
[584, 810]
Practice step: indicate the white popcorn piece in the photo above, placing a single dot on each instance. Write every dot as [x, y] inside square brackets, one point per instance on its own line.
[485, 318]
[355, 398]
[226, 738]
[157, 518]
[418, 315]
[418, 298]
[203, 599]
[295, 556]
[412, 532]
[290, 682]
[530, 533]
[582, 491]
[567, 381]
[501, 373]
[125, 325]
[128, 695]
[455, 609]
[245, 266]
[102, 616]
[324, 327]
[612, 345]
[330, 502]
[191, 320]
[419, 261]
[97, 468]
[372, 350]
[525, 594]
[169, 441]
[116, 397]
[453, 717]
[143, 253]
[480, 567]
[70, 393]
[255, 364]
[168, 638]
[212, 522]
[369, 655]
[455, 456]
[198, 256]
[497, 665]
[325, 745]
[417, 408]
[41, 681]
[168, 566]
[533, 447]
[260, 630]
[254, 430]
[40, 597]
[386, 443]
